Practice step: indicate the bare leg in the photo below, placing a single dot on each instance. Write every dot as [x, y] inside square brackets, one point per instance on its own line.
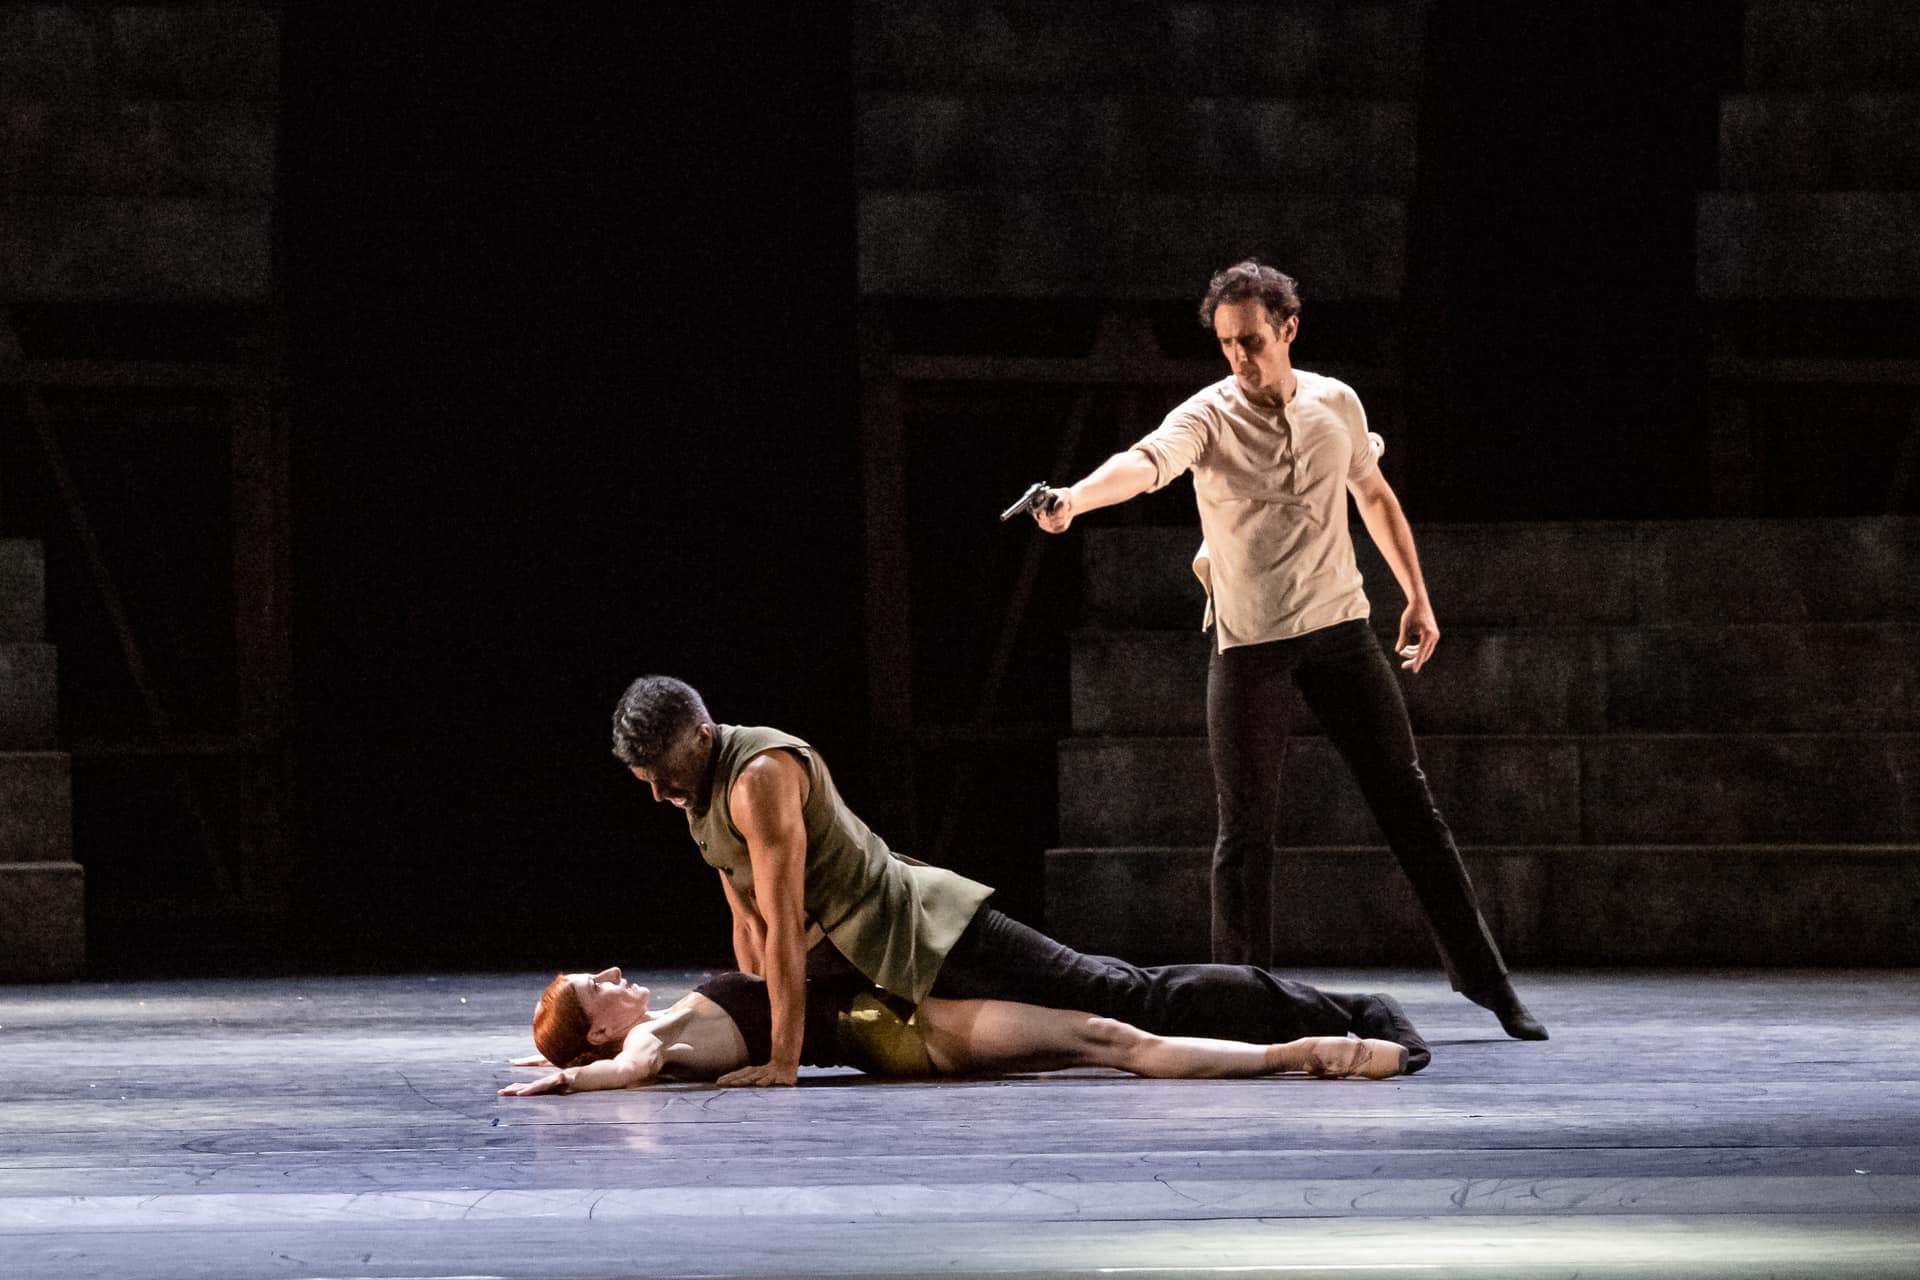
[969, 1036]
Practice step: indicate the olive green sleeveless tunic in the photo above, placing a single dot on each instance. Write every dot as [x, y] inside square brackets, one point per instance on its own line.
[893, 917]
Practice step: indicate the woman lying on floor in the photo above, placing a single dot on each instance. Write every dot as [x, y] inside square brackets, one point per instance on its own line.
[600, 1027]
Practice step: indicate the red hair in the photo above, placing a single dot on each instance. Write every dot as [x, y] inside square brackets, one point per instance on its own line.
[560, 1026]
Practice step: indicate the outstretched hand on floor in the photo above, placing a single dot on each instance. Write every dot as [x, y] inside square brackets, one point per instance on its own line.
[553, 1082]
[759, 1077]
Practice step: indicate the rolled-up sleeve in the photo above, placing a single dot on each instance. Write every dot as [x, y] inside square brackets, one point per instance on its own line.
[1176, 444]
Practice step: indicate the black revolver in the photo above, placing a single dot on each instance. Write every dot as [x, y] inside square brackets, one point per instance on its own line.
[1035, 499]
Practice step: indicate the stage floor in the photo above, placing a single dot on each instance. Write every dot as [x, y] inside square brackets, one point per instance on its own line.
[1697, 1124]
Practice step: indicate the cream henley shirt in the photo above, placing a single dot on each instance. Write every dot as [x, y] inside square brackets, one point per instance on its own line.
[1271, 484]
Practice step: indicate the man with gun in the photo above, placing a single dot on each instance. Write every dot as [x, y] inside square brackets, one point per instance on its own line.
[1274, 452]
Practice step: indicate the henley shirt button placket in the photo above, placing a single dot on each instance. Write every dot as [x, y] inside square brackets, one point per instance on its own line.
[1292, 455]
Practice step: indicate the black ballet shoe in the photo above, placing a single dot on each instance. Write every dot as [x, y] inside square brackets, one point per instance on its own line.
[1506, 1006]
[1380, 1017]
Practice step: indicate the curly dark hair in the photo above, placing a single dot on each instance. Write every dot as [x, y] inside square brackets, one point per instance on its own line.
[1274, 289]
[651, 715]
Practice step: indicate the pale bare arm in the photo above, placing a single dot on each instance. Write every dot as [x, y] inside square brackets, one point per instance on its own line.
[639, 1060]
[1120, 478]
[696, 1038]
[1387, 525]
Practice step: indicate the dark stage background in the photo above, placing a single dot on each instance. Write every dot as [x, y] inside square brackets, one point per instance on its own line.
[574, 324]
[573, 321]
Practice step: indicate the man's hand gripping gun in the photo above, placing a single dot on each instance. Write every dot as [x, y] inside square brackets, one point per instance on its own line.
[1034, 501]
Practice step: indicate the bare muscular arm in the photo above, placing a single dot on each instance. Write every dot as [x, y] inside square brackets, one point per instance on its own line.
[749, 932]
[768, 801]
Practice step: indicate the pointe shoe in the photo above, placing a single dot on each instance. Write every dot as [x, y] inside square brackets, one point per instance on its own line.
[1334, 1057]
[1380, 1017]
[1506, 1006]
[1383, 1058]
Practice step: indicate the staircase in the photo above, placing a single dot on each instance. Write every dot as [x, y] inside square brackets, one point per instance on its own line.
[140, 380]
[1658, 742]
[42, 916]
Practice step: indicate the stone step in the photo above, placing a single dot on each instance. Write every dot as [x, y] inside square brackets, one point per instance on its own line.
[23, 591]
[1755, 245]
[27, 696]
[1693, 789]
[174, 51]
[1076, 141]
[118, 248]
[36, 807]
[1607, 573]
[1370, 48]
[98, 146]
[43, 931]
[1795, 44]
[1820, 142]
[1592, 904]
[1129, 245]
[1741, 678]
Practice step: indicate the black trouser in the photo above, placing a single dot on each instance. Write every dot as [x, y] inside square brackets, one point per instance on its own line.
[998, 958]
[1346, 681]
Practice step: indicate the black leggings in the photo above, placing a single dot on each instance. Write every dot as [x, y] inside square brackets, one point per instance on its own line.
[998, 958]
[1346, 682]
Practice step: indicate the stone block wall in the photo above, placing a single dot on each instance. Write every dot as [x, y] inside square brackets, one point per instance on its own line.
[1099, 151]
[136, 152]
[1661, 742]
[1809, 258]
[42, 908]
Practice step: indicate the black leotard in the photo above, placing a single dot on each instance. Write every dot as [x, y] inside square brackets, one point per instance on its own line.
[744, 997]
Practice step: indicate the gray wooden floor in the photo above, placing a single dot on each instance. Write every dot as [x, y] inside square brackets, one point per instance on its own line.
[1698, 1124]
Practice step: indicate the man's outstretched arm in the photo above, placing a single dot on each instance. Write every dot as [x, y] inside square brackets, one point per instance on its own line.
[768, 801]
[1122, 477]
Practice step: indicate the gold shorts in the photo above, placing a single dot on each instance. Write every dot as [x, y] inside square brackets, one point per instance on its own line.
[877, 1038]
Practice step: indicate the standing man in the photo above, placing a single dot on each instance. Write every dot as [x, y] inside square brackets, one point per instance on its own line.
[801, 870]
[1274, 452]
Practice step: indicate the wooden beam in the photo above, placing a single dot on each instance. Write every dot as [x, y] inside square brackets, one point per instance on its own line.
[119, 375]
[1813, 371]
[1135, 369]
[889, 582]
[263, 664]
[1013, 616]
[168, 746]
